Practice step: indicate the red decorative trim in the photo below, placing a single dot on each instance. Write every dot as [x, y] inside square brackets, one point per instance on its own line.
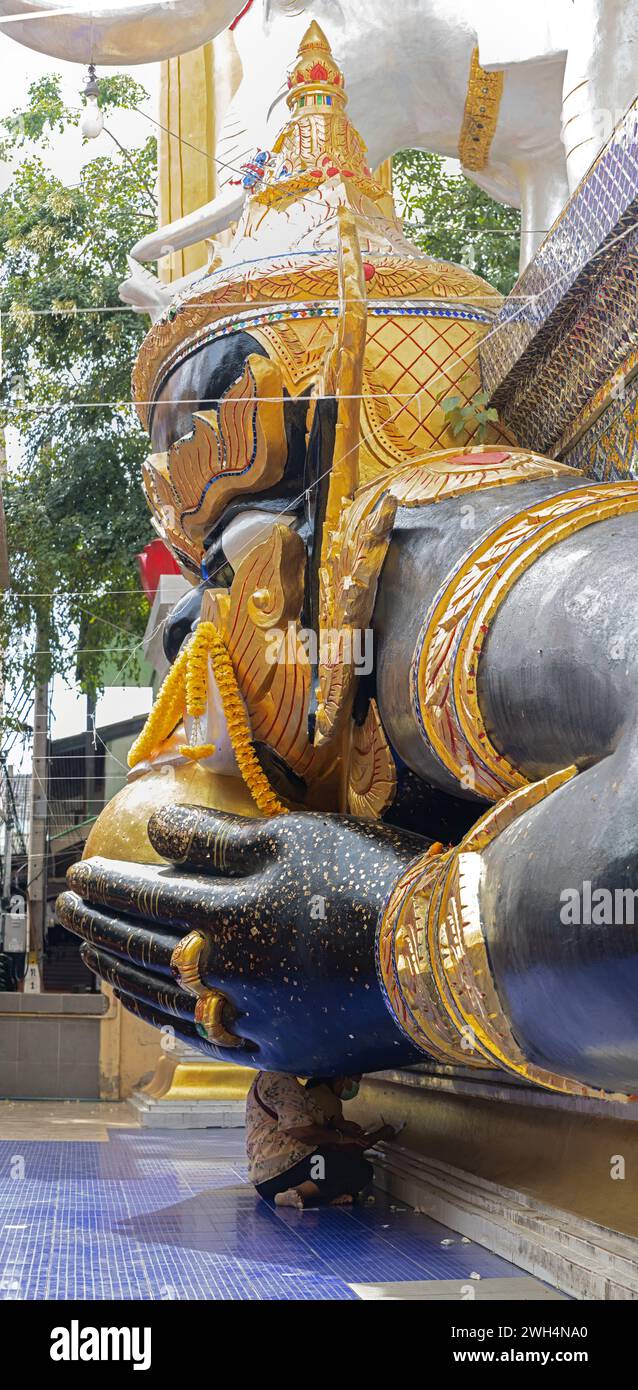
[240, 15]
[480, 458]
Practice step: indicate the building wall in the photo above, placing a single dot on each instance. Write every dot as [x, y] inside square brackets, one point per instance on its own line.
[49, 1046]
[115, 765]
[128, 1051]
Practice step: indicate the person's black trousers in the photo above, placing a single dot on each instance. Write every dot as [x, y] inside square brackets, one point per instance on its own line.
[344, 1169]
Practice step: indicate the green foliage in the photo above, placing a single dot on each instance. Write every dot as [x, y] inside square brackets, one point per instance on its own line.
[461, 417]
[76, 516]
[450, 217]
[46, 113]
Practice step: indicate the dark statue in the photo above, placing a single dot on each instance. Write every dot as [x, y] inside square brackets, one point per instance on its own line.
[340, 855]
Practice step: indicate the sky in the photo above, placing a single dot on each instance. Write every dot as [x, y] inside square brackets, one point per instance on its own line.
[20, 67]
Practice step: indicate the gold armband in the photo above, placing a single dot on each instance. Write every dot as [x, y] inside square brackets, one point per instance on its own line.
[432, 958]
[444, 674]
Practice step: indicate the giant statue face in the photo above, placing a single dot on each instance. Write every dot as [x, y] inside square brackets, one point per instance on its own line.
[223, 379]
[202, 416]
[229, 404]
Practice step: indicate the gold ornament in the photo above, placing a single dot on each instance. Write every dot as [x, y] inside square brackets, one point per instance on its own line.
[348, 582]
[186, 685]
[239, 447]
[432, 956]
[280, 282]
[372, 781]
[261, 627]
[445, 665]
[405, 965]
[121, 829]
[356, 550]
[212, 1010]
[466, 983]
[480, 117]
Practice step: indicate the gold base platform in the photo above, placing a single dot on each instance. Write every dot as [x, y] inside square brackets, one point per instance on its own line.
[579, 1156]
[181, 1078]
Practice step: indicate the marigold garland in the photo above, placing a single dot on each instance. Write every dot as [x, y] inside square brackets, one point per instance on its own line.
[186, 689]
[197, 671]
[165, 714]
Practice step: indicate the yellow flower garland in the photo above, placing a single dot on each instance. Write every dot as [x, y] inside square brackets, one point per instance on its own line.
[186, 689]
[196, 686]
[164, 715]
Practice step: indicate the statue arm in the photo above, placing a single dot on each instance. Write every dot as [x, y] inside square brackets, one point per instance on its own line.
[323, 944]
[530, 33]
[140, 33]
[207, 221]
[557, 902]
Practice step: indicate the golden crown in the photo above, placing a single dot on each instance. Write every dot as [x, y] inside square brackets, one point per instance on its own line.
[315, 79]
[281, 282]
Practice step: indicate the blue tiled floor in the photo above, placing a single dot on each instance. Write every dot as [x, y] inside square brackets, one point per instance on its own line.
[164, 1216]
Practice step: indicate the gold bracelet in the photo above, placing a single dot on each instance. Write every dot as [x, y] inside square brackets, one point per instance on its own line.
[444, 674]
[406, 968]
[471, 992]
[432, 958]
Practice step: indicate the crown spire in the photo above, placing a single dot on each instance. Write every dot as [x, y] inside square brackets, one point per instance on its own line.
[315, 80]
[317, 164]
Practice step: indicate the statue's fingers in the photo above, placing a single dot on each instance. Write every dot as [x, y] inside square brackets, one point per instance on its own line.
[171, 1029]
[149, 892]
[172, 927]
[198, 838]
[119, 935]
[209, 1011]
[162, 993]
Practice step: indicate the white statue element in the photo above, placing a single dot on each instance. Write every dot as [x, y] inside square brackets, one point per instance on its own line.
[571, 69]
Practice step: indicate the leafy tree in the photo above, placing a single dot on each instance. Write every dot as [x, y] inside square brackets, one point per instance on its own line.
[76, 516]
[450, 217]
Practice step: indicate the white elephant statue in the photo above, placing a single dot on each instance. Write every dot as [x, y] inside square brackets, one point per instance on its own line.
[570, 68]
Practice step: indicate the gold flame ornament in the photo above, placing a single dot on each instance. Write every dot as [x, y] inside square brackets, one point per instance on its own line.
[239, 446]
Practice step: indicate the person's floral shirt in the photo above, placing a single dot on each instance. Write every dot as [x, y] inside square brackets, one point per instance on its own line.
[276, 1102]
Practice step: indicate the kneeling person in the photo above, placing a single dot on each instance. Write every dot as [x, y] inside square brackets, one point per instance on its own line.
[296, 1156]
